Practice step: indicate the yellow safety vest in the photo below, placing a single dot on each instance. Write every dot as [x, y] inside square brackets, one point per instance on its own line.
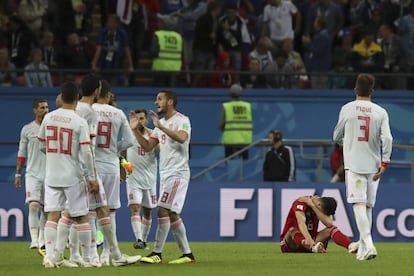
[169, 56]
[238, 128]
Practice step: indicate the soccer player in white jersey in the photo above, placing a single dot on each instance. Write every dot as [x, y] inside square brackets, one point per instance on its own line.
[29, 150]
[141, 184]
[112, 123]
[172, 133]
[364, 131]
[91, 87]
[66, 138]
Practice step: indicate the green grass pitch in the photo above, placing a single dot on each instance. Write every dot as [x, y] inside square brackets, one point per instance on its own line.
[227, 258]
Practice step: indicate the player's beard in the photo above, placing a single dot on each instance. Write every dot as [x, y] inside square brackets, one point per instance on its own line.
[141, 129]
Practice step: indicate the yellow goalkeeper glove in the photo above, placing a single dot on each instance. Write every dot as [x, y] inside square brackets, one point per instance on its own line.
[126, 165]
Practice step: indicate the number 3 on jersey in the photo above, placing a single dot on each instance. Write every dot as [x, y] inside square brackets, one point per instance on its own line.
[364, 126]
[104, 135]
[59, 140]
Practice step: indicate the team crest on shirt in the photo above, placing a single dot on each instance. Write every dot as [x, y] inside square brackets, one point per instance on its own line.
[186, 127]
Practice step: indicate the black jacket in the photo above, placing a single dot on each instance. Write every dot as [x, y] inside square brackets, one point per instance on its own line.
[279, 165]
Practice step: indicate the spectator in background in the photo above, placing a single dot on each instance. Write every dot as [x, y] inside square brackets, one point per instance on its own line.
[334, 18]
[279, 163]
[395, 58]
[76, 54]
[37, 73]
[32, 12]
[8, 75]
[337, 164]
[224, 72]
[112, 52]
[231, 35]
[20, 42]
[281, 20]
[49, 49]
[367, 54]
[295, 60]
[187, 18]
[166, 50]
[133, 16]
[406, 32]
[342, 60]
[263, 52]
[375, 21]
[236, 122]
[253, 78]
[279, 73]
[318, 53]
[73, 17]
[204, 45]
[359, 15]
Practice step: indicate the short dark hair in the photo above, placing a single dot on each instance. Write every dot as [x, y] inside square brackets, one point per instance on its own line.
[328, 205]
[277, 135]
[69, 92]
[36, 102]
[89, 84]
[171, 95]
[365, 85]
[104, 89]
[141, 110]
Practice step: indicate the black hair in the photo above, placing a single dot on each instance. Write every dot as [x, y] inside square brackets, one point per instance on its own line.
[277, 135]
[328, 205]
[69, 92]
[89, 84]
[104, 89]
[142, 111]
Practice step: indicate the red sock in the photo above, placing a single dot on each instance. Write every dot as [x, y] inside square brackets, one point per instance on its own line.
[298, 238]
[339, 238]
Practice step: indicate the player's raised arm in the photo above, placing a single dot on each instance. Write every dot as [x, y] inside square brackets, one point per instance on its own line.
[134, 123]
[179, 135]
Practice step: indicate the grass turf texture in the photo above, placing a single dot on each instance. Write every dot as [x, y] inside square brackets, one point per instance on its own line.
[227, 258]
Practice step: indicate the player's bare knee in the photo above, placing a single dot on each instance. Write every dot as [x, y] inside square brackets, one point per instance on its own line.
[102, 212]
[162, 212]
[135, 209]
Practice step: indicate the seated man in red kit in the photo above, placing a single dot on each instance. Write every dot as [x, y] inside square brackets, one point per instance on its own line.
[300, 233]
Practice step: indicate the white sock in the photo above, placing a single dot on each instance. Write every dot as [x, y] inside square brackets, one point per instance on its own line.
[180, 235]
[363, 225]
[93, 249]
[50, 238]
[33, 221]
[369, 216]
[136, 227]
[84, 233]
[63, 230]
[112, 215]
[146, 227]
[109, 237]
[74, 242]
[42, 222]
[163, 228]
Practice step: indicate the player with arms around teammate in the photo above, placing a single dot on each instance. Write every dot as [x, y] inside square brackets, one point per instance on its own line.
[29, 149]
[141, 184]
[300, 233]
[66, 138]
[364, 131]
[112, 124]
[172, 133]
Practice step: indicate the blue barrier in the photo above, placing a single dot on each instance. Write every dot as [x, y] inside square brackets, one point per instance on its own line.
[251, 211]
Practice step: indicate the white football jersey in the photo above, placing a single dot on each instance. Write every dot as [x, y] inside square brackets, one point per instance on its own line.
[64, 132]
[364, 131]
[145, 166]
[112, 123]
[29, 148]
[173, 155]
[85, 111]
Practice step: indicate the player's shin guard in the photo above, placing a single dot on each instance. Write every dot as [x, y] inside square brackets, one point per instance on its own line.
[339, 238]
[63, 229]
[363, 225]
[84, 233]
[146, 227]
[109, 236]
[180, 235]
[33, 221]
[50, 238]
[136, 227]
[163, 228]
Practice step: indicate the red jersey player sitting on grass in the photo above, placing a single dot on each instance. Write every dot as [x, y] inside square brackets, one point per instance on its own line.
[300, 233]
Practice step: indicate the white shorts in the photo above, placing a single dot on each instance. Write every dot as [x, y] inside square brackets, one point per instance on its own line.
[361, 188]
[111, 184]
[172, 194]
[74, 198]
[35, 189]
[145, 198]
[99, 199]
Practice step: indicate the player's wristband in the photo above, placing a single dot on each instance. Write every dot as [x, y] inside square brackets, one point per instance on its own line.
[17, 175]
[384, 164]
